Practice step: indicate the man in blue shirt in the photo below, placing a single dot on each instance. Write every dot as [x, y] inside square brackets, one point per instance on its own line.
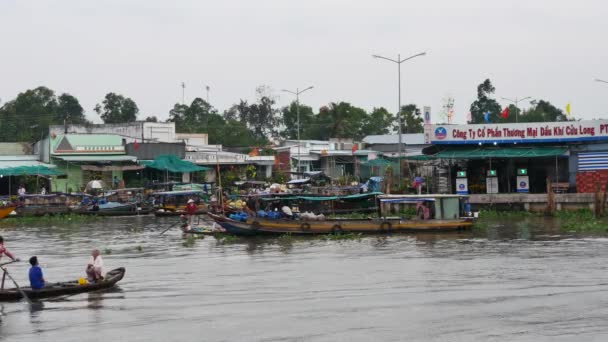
[36, 279]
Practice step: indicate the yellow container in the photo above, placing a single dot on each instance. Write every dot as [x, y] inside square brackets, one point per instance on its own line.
[82, 281]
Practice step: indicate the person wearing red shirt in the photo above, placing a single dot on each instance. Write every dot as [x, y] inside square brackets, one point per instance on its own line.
[4, 251]
[191, 211]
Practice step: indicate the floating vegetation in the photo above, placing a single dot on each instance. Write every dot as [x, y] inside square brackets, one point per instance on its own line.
[581, 221]
[48, 220]
[107, 251]
[285, 239]
[343, 236]
[139, 248]
[501, 214]
[225, 238]
[190, 241]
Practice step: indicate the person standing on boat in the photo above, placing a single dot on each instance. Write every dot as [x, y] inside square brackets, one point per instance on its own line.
[35, 274]
[95, 266]
[191, 211]
[4, 251]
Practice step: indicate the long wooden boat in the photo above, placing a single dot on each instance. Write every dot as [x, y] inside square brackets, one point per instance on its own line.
[5, 211]
[283, 226]
[65, 288]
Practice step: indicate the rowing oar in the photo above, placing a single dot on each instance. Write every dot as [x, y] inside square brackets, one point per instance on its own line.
[171, 226]
[27, 299]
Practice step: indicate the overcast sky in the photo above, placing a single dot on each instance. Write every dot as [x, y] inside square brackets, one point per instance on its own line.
[144, 49]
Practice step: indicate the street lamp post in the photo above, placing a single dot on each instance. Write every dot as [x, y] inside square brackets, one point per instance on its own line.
[297, 94]
[516, 101]
[599, 80]
[398, 61]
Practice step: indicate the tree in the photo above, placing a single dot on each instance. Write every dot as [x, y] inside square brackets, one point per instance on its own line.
[340, 120]
[412, 119]
[194, 118]
[379, 121]
[69, 109]
[28, 116]
[290, 121]
[262, 118]
[116, 108]
[485, 103]
[542, 111]
[151, 119]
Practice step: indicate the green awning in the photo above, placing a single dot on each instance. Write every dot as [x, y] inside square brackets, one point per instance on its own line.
[324, 198]
[29, 171]
[378, 162]
[499, 152]
[172, 163]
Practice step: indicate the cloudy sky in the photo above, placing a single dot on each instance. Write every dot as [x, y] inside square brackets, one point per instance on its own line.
[144, 49]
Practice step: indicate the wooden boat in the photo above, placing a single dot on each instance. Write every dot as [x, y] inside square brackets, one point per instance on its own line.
[7, 210]
[261, 226]
[65, 288]
[173, 203]
[435, 213]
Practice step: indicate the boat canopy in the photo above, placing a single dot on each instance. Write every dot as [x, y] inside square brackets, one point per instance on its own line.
[178, 193]
[406, 200]
[324, 198]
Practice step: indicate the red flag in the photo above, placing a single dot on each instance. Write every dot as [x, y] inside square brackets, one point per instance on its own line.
[505, 113]
[355, 148]
[135, 145]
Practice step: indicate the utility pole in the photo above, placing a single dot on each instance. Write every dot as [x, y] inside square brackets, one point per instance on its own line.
[398, 61]
[516, 101]
[297, 94]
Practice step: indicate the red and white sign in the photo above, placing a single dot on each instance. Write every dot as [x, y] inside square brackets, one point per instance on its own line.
[538, 132]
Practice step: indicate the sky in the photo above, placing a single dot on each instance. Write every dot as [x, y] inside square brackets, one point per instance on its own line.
[145, 49]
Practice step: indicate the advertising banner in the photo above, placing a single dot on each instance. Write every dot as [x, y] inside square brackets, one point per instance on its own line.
[538, 132]
[462, 186]
[523, 184]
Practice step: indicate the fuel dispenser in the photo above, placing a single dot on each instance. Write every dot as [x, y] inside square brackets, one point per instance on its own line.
[462, 184]
[492, 182]
[523, 181]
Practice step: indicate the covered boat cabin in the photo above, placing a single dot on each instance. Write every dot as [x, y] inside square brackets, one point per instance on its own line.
[425, 207]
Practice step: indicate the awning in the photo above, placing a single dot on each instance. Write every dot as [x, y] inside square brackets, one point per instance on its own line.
[29, 171]
[112, 167]
[498, 152]
[99, 159]
[172, 163]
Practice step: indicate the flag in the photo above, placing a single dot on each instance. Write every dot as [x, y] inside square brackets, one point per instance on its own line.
[469, 117]
[505, 113]
[135, 145]
[486, 117]
[355, 148]
[568, 108]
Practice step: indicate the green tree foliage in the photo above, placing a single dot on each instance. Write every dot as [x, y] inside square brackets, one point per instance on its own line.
[412, 119]
[262, 118]
[379, 121]
[28, 116]
[194, 118]
[290, 121]
[151, 119]
[116, 108]
[485, 103]
[340, 120]
[542, 111]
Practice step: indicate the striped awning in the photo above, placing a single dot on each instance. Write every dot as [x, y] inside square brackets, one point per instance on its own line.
[589, 161]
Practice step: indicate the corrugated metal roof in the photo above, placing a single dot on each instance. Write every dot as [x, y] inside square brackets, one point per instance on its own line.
[18, 163]
[410, 139]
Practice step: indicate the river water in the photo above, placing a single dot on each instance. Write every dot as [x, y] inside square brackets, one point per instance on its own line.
[521, 280]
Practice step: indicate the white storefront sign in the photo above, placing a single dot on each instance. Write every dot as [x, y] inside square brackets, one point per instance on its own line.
[523, 184]
[538, 132]
[462, 186]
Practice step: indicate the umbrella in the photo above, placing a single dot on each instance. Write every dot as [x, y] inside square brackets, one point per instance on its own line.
[95, 185]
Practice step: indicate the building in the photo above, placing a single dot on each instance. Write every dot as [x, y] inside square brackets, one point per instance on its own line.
[522, 157]
[85, 157]
[18, 159]
[140, 131]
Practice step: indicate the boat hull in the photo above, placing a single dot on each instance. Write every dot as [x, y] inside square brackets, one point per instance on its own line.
[5, 211]
[255, 227]
[65, 288]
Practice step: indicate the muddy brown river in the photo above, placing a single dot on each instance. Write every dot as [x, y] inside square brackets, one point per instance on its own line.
[519, 280]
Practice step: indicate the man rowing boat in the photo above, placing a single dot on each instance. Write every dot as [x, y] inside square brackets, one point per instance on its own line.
[4, 251]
